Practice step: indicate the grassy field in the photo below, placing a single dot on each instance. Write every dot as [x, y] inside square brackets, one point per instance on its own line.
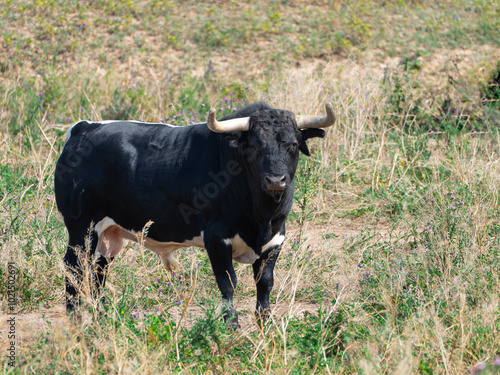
[392, 257]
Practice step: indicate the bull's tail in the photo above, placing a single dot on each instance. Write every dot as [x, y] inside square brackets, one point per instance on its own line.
[75, 200]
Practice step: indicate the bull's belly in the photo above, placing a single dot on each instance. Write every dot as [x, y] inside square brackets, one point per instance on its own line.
[111, 238]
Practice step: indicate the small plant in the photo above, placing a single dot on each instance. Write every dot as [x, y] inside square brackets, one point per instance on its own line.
[307, 179]
[319, 338]
[450, 227]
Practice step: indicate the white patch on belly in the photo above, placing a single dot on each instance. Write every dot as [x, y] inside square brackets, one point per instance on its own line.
[242, 253]
[111, 237]
[275, 241]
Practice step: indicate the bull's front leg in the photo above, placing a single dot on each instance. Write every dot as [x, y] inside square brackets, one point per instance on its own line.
[263, 271]
[221, 258]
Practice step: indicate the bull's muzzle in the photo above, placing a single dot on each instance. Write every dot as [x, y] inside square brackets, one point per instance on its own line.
[275, 183]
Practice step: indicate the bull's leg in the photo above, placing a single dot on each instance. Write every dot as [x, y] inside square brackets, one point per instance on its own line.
[220, 254]
[73, 278]
[102, 265]
[101, 269]
[263, 271]
[81, 246]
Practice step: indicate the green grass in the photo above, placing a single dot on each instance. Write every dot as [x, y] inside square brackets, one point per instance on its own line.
[392, 257]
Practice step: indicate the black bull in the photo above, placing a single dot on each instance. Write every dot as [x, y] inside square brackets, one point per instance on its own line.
[228, 193]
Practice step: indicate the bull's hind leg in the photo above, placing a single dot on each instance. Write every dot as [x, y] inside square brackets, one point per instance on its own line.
[73, 277]
[109, 244]
[79, 264]
[263, 271]
[101, 270]
[80, 245]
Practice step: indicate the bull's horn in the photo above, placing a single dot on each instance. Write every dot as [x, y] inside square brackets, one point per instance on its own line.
[307, 122]
[237, 124]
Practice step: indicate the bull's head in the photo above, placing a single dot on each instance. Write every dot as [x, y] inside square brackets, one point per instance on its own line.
[269, 142]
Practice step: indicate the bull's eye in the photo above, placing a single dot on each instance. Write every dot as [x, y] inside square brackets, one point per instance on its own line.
[292, 147]
[253, 149]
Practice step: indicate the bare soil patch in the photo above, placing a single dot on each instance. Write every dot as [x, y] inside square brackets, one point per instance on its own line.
[30, 325]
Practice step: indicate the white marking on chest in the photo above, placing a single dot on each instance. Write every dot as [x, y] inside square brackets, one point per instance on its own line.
[111, 237]
[242, 253]
[275, 241]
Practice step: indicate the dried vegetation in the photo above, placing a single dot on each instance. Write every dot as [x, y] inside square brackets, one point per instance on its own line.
[392, 258]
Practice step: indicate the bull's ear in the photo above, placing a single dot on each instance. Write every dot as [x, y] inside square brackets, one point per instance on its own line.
[232, 136]
[306, 134]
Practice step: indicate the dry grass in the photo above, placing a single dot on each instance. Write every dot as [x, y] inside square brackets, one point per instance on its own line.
[395, 267]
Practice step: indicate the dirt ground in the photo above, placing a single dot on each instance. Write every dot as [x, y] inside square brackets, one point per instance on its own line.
[29, 325]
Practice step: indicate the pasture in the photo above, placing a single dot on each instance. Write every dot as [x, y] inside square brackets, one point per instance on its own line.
[392, 256]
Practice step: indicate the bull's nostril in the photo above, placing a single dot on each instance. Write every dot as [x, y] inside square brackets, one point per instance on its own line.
[274, 183]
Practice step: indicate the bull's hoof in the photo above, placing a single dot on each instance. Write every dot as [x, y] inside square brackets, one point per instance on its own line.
[232, 321]
[74, 315]
[262, 316]
[74, 311]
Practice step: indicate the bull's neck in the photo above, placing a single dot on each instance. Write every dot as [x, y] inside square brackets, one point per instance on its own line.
[265, 208]
[251, 196]
[269, 210]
